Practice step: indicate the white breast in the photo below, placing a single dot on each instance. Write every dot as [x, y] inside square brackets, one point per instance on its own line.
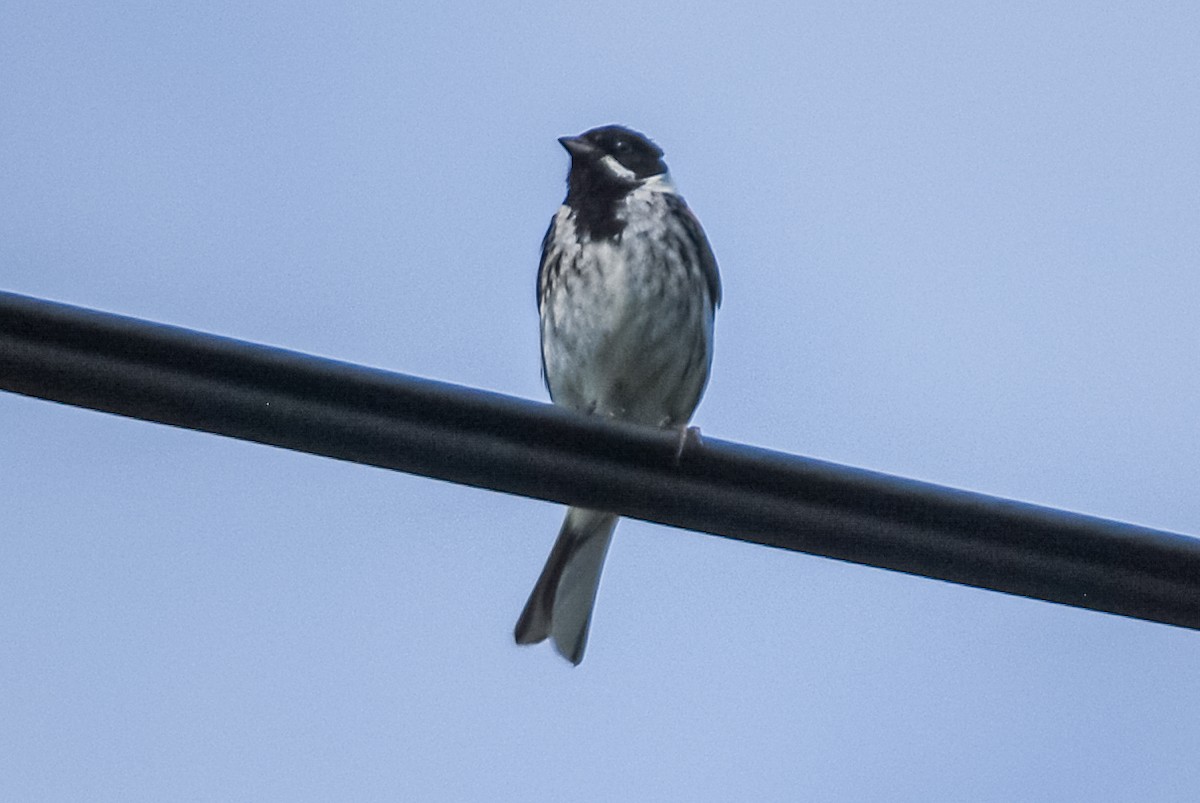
[627, 326]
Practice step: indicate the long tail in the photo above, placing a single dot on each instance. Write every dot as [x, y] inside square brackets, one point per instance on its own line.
[560, 606]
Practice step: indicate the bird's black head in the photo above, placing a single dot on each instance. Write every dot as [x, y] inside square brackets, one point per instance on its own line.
[616, 152]
[611, 160]
[606, 163]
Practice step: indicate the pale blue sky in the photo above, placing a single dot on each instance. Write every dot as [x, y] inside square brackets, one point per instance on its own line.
[959, 242]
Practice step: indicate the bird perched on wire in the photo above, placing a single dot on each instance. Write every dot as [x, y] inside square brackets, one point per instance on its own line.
[626, 291]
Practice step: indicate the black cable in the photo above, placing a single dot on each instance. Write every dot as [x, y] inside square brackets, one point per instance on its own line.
[229, 387]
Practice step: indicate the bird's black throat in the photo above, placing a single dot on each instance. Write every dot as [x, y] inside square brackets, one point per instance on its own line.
[593, 192]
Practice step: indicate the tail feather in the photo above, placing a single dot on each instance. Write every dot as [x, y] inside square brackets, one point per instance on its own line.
[560, 606]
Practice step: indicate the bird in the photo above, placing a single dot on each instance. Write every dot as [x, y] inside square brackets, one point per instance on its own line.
[627, 290]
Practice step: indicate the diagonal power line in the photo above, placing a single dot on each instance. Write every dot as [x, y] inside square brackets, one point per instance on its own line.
[214, 384]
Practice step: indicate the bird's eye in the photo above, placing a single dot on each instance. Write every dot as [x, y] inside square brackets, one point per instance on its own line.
[621, 146]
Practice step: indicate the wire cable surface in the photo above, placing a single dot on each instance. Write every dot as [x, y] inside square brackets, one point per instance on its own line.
[214, 384]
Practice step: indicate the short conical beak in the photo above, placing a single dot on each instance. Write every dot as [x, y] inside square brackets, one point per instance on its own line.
[577, 146]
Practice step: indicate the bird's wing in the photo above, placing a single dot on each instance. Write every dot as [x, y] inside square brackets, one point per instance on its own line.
[695, 234]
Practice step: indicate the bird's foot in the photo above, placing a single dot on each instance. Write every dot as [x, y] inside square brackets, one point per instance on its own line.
[688, 437]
